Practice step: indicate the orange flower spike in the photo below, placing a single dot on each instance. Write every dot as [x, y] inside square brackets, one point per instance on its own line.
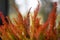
[52, 16]
[10, 23]
[11, 27]
[35, 20]
[14, 32]
[16, 27]
[3, 18]
[37, 23]
[27, 23]
[29, 12]
[27, 19]
[36, 10]
[3, 31]
[40, 29]
[20, 18]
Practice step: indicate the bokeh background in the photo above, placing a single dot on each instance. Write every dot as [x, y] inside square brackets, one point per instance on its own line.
[24, 5]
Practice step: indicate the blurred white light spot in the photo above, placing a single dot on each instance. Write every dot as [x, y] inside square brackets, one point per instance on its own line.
[32, 3]
[25, 5]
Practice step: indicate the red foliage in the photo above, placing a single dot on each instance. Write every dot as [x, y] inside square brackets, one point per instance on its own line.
[23, 25]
